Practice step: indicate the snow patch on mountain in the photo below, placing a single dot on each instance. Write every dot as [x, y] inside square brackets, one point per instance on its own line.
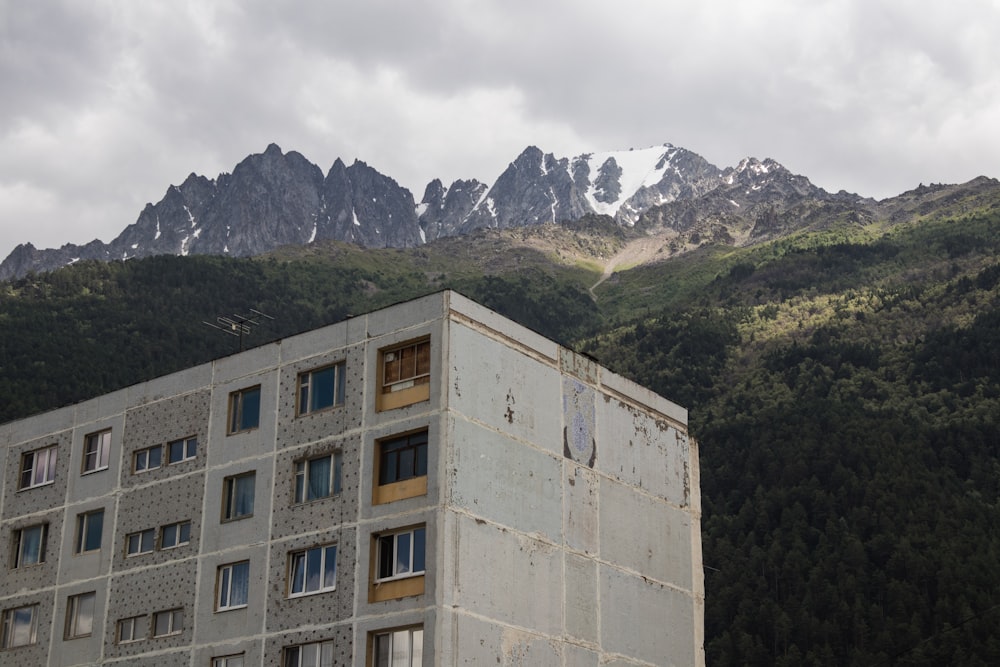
[639, 168]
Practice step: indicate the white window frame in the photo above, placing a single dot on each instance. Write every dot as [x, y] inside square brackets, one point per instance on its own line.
[144, 455]
[179, 539]
[18, 543]
[78, 623]
[96, 451]
[12, 634]
[226, 580]
[235, 660]
[385, 656]
[84, 525]
[188, 448]
[175, 622]
[137, 539]
[39, 461]
[131, 624]
[313, 654]
[298, 568]
[301, 480]
[307, 389]
[382, 541]
[230, 488]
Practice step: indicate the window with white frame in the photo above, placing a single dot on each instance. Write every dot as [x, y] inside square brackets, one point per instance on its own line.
[233, 584]
[317, 477]
[238, 496]
[315, 654]
[80, 615]
[244, 410]
[38, 467]
[141, 542]
[228, 661]
[321, 388]
[28, 545]
[184, 449]
[175, 534]
[400, 554]
[312, 570]
[168, 622]
[398, 648]
[96, 451]
[89, 528]
[149, 458]
[131, 629]
[20, 626]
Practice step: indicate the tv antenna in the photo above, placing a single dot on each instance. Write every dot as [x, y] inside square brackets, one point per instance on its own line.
[239, 325]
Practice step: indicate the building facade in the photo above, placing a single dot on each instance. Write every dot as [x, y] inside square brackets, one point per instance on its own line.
[427, 484]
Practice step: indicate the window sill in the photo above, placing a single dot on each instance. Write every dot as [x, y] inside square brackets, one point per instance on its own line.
[391, 589]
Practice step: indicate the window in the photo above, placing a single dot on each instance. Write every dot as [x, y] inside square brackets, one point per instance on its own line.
[317, 478]
[148, 459]
[182, 450]
[169, 622]
[20, 626]
[406, 366]
[28, 545]
[244, 409]
[175, 534]
[233, 585]
[399, 648]
[312, 570]
[237, 502]
[89, 527]
[402, 458]
[131, 629]
[38, 467]
[317, 654]
[80, 615]
[96, 451]
[321, 389]
[228, 661]
[141, 542]
[401, 554]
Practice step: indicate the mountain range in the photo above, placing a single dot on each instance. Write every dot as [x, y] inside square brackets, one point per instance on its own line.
[272, 199]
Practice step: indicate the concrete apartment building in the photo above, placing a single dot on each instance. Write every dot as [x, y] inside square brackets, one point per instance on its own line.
[427, 484]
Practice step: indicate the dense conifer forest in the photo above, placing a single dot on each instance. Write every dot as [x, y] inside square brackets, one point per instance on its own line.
[844, 387]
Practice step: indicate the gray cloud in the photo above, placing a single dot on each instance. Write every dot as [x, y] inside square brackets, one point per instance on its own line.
[109, 102]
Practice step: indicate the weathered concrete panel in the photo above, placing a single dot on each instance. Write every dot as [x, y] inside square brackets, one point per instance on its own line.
[219, 534]
[581, 525]
[508, 576]
[33, 655]
[37, 498]
[504, 388]
[152, 507]
[147, 591]
[290, 517]
[512, 330]
[471, 641]
[216, 625]
[158, 423]
[581, 608]
[287, 613]
[83, 485]
[646, 620]
[644, 396]
[294, 429]
[37, 576]
[645, 534]
[341, 635]
[505, 481]
[226, 447]
[642, 451]
[79, 650]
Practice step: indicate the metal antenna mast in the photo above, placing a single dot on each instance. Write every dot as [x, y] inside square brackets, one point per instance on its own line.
[239, 325]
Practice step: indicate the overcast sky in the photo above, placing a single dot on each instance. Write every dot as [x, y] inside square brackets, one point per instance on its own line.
[106, 103]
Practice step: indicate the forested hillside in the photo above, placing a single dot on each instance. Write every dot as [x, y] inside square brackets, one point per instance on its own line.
[844, 386]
